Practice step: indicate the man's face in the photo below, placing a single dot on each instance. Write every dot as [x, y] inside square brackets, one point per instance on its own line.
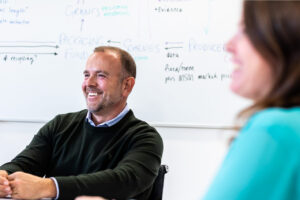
[102, 85]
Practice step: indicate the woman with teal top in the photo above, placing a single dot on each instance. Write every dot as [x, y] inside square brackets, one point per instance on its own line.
[263, 161]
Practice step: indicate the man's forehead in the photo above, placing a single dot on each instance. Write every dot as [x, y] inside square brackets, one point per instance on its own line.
[103, 62]
[104, 58]
[107, 53]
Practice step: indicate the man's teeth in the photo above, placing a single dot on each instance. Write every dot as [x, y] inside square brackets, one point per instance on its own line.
[92, 94]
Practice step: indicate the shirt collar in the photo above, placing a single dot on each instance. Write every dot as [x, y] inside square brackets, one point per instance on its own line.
[109, 122]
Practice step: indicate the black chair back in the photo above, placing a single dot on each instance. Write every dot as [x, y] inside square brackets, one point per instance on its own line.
[158, 185]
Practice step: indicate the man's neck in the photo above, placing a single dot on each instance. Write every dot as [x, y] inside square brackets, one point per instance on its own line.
[105, 115]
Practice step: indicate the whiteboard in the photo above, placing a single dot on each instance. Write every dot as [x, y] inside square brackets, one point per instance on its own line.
[183, 71]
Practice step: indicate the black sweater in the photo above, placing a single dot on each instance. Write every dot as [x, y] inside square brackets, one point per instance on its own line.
[118, 162]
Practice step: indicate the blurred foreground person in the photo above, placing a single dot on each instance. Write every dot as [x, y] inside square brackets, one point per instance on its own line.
[263, 161]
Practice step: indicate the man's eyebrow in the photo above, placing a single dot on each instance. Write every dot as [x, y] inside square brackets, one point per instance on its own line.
[97, 71]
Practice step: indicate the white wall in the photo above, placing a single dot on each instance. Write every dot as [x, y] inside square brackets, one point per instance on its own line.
[192, 154]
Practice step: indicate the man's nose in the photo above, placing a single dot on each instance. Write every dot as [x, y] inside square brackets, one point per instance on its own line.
[91, 81]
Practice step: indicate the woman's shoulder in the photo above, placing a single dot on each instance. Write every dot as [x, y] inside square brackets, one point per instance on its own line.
[281, 124]
[277, 117]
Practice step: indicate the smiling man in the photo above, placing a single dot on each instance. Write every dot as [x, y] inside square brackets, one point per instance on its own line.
[101, 151]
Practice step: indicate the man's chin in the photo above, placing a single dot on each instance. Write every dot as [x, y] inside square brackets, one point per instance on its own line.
[94, 109]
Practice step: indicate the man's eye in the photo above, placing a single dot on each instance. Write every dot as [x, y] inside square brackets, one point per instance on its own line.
[101, 75]
[86, 75]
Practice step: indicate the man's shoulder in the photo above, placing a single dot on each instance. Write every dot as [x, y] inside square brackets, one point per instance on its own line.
[139, 132]
[135, 123]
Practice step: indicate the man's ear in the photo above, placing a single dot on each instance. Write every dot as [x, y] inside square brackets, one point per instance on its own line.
[128, 84]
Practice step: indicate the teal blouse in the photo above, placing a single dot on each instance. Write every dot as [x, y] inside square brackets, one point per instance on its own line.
[264, 161]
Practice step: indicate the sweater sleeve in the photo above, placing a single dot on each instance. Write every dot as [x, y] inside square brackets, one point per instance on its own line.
[34, 159]
[260, 164]
[133, 175]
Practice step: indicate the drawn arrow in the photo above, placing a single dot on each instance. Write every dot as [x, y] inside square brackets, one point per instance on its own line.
[81, 25]
[173, 48]
[26, 42]
[30, 46]
[109, 41]
[54, 53]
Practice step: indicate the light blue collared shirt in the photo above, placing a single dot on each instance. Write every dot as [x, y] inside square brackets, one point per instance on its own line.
[104, 124]
[110, 122]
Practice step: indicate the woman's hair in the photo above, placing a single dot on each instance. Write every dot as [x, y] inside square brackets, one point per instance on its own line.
[273, 28]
